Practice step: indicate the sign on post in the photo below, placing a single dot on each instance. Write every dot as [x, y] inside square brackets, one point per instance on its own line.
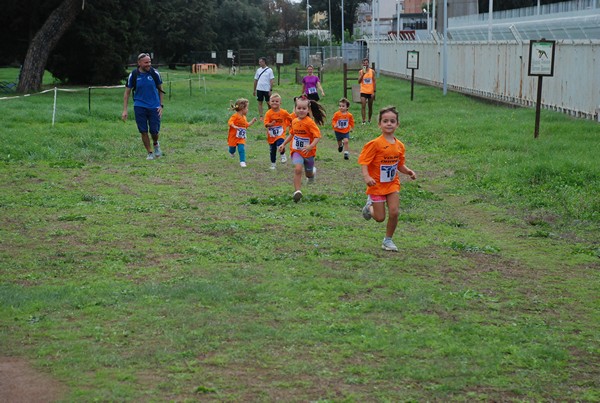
[412, 63]
[279, 61]
[231, 56]
[541, 63]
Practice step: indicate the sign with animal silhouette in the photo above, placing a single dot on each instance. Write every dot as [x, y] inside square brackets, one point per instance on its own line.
[541, 58]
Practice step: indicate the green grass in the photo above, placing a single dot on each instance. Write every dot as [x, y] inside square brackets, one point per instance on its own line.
[188, 278]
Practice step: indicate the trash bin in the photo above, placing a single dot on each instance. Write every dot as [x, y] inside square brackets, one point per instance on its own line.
[356, 93]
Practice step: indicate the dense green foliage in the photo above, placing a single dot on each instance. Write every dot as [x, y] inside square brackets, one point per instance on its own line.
[96, 48]
[188, 278]
[108, 34]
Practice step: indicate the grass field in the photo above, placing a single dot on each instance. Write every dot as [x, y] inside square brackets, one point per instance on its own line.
[189, 278]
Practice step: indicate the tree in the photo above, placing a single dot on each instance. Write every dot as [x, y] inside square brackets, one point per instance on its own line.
[44, 42]
[177, 27]
[350, 9]
[240, 25]
[96, 49]
[284, 24]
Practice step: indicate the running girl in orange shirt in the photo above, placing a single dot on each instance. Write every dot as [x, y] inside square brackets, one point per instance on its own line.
[277, 121]
[381, 159]
[342, 123]
[238, 124]
[304, 136]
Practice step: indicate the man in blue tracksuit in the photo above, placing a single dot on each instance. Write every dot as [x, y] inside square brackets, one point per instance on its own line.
[146, 84]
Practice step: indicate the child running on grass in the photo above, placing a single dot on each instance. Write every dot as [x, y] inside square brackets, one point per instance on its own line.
[304, 136]
[342, 123]
[237, 129]
[381, 159]
[277, 121]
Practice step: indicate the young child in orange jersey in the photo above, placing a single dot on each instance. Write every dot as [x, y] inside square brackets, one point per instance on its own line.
[304, 136]
[277, 121]
[237, 129]
[381, 160]
[342, 123]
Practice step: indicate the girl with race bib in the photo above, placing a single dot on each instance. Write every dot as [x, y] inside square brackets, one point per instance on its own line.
[381, 159]
[303, 138]
[277, 121]
[238, 125]
[311, 84]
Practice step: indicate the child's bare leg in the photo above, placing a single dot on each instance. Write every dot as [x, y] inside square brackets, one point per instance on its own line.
[393, 202]
[298, 168]
[378, 211]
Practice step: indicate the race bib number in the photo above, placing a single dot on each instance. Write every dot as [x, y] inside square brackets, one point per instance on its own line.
[387, 173]
[301, 142]
[312, 90]
[241, 133]
[275, 131]
[342, 123]
[367, 80]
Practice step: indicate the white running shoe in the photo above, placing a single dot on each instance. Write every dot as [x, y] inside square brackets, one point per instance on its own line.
[243, 164]
[297, 196]
[273, 165]
[283, 158]
[150, 156]
[388, 244]
[366, 210]
[157, 150]
[312, 180]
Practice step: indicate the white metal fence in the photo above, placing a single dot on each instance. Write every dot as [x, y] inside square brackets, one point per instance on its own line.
[499, 71]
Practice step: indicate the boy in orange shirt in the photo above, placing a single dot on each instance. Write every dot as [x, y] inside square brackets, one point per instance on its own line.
[381, 159]
[342, 123]
[276, 121]
[305, 135]
[237, 129]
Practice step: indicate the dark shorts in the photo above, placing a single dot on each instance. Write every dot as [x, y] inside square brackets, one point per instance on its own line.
[145, 117]
[365, 96]
[262, 96]
[340, 136]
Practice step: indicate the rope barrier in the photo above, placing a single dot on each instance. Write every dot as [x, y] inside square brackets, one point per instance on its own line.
[89, 89]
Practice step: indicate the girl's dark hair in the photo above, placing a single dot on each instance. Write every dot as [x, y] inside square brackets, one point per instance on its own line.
[344, 100]
[316, 109]
[389, 109]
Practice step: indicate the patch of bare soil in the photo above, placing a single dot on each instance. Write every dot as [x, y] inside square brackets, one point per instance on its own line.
[19, 382]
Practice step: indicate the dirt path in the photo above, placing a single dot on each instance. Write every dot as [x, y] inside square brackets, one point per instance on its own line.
[19, 382]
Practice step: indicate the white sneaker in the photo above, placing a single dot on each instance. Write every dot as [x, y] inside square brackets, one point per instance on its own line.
[297, 196]
[312, 180]
[388, 244]
[366, 210]
[150, 156]
[283, 158]
[157, 150]
[273, 165]
[231, 155]
[243, 164]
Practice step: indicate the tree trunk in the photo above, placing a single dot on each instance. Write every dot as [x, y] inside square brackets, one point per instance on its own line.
[44, 41]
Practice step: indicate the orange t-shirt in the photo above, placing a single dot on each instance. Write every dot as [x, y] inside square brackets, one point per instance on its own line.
[282, 121]
[237, 136]
[383, 159]
[342, 122]
[304, 131]
[366, 85]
